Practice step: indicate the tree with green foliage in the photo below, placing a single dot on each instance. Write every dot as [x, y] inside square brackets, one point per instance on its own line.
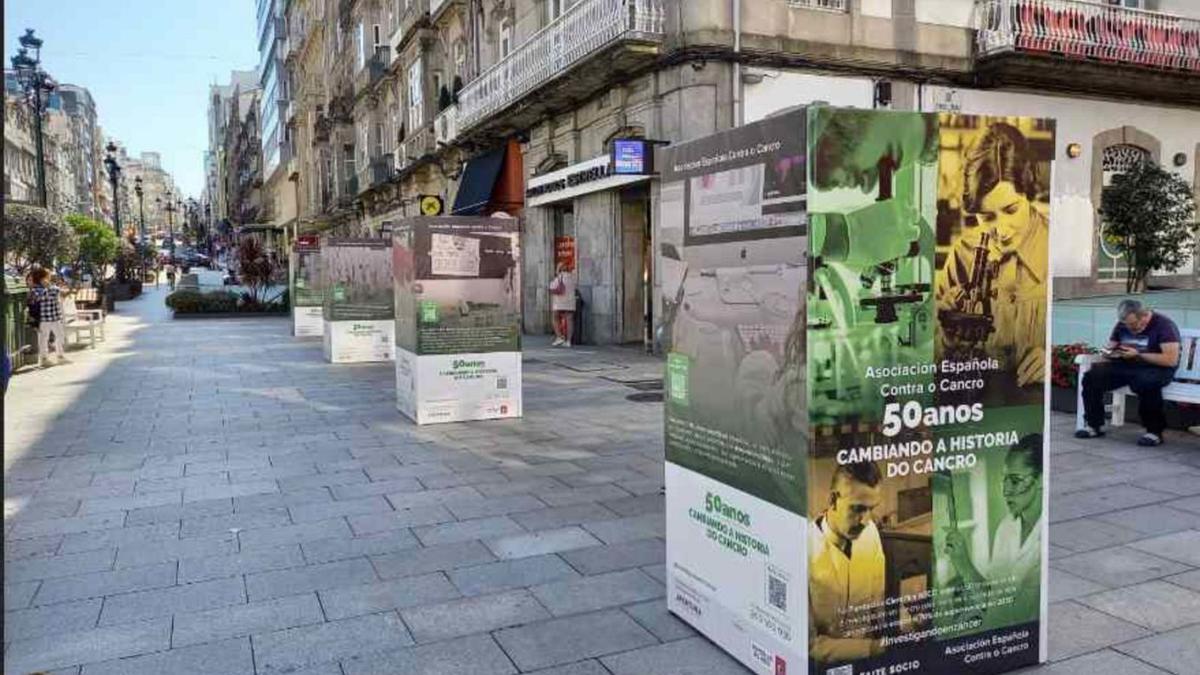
[1150, 213]
[98, 246]
[34, 236]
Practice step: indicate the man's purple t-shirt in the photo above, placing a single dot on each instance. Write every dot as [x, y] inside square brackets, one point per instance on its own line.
[1159, 331]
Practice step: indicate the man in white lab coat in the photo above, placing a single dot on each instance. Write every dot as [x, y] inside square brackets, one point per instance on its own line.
[846, 568]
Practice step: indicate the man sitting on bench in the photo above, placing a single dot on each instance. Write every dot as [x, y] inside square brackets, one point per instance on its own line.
[1142, 354]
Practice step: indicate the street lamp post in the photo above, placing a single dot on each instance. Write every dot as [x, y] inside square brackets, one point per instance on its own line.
[34, 81]
[114, 178]
[208, 242]
[137, 189]
[170, 209]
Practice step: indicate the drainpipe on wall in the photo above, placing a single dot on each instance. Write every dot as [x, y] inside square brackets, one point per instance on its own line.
[737, 62]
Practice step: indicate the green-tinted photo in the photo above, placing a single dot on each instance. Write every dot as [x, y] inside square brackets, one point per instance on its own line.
[872, 192]
[305, 276]
[357, 277]
[988, 529]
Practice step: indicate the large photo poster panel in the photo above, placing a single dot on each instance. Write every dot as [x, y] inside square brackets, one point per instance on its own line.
[466, 285]
[926, 342]
[357, 278]
[732, 259]
[304, 288]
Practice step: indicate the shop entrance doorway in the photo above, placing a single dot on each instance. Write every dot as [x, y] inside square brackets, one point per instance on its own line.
[636, 268]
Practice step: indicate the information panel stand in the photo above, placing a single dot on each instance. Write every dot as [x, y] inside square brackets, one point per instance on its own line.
[304, 287]
[857, 305]
[458, 318]
[358, 311]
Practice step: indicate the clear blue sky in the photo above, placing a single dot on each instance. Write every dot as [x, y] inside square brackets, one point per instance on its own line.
[148, 64]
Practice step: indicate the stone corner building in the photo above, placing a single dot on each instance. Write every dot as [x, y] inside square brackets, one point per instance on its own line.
[482, 103]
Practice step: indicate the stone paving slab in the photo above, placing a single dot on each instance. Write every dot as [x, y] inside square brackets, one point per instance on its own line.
[213, 497]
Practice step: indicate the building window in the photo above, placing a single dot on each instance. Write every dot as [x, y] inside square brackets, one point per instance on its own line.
[360, 46]
[505, 37]
[1112, 262]
[1132, 4]
[554, 9]
[416, 96]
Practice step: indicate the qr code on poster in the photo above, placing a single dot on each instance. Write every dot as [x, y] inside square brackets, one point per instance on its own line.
[502, 383]
[840, 670]
[777, 588]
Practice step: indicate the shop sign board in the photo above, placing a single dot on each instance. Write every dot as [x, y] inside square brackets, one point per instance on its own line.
[579, 179]
[856, 390]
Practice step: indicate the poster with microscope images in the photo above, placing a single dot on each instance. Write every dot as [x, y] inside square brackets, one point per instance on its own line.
[888, 408]
[457, 303]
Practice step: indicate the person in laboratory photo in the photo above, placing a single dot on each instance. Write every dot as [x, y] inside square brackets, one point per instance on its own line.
[846, 565]
[991, 292]
[1005, 576]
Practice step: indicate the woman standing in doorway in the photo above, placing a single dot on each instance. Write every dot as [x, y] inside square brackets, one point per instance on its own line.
[562, 302]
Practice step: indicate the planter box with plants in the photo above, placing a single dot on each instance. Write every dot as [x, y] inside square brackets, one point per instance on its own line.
[220, 304]
[1064, 375]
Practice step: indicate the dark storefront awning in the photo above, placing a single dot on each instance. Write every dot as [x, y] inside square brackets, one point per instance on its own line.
[478, 181]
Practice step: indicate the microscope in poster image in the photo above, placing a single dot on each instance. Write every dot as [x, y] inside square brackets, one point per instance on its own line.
[870, 301]
[970, 316]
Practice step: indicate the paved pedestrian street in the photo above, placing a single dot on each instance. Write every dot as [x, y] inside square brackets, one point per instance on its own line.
[209, 496]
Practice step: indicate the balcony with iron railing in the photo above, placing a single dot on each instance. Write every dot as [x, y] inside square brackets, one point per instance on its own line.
[436, 7]
[298, 32]
[1085, 31]
[348, 191]
[445, 125]
[378, 170]
[420, 143]
[415, 15]
[588, 29]
[373, 71]
[826, 5]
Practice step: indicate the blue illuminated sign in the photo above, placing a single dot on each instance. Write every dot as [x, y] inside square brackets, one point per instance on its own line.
[630, 157]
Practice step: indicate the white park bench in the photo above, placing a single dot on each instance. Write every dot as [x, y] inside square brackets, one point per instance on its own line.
[1184, 389]
[78, 321]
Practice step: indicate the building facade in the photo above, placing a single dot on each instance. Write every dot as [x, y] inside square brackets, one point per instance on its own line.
[216, 167]
[513, 106]
[278, 197]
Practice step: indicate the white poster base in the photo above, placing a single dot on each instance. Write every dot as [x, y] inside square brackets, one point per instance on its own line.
[308, 322]
[436, 388]
[360, 341]
[736, 571]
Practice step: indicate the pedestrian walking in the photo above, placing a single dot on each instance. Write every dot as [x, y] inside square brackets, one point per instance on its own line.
[46, 305]
[562, 302]
[170, 276]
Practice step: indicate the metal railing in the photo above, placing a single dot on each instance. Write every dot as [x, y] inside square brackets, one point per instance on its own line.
[827, 5]
[570, 39]
[1084, 30]
[416, 11]
[373, 70]
[348, 192]
[445, 125]
[417, 145]
[436, 5]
